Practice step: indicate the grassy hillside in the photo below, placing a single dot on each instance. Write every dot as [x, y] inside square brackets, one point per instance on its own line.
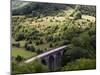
[22, 52]
[39, 27]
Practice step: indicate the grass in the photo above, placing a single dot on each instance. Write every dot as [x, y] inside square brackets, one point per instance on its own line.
[42, 26]
[22, 52]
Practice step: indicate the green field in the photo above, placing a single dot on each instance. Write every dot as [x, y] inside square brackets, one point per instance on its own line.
[22, 52]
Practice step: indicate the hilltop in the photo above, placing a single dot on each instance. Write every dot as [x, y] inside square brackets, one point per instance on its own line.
[22, 8]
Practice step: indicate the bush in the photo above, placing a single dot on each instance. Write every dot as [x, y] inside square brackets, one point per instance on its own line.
[82, 41]
[16, 44]
[32, 48]
[80, 64]
[19, 36]
[93, 41]
[37, 43]
[30, 41]
[75, 53]
[92, 31]
[49, 38]
[50, 45]
[19, 58]
[41, 41]
[38, 67]
[29, 47]
[85, 40]
[38, 51]
[51, 20]
[76, 41]
[25, 46]
[65, 42]
[34, 67]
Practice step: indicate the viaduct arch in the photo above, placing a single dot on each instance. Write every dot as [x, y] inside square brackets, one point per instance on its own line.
[52, 58]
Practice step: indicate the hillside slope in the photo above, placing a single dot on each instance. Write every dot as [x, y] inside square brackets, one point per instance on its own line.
[41, 27]
[19, 8]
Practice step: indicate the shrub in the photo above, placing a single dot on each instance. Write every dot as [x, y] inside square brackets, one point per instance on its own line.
[85, 40]
[76, 41]
[19, 58]
[50, 45]
[41, 41]
[75, 53]
[38, 67]
[37, 43]
[19, 36]
[38, 51]
[30, 41]
[82, 41]
[80, 64]
[51, 20]
[25, 46]
[92, 31]
[93, 41]
[29, 47]
[34, 67]
[49, 38]
[32, 48]
[16, 44]
[65, 42]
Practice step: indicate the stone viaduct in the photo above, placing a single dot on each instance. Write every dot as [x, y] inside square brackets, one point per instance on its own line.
[51, 58]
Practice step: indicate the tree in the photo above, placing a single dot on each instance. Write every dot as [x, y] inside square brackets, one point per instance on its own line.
[33, 67]
[30, 41]
[38, 67]
[50, 45]
[76, 41]
[38, 51]
[75, 53]
[49, 38]
[85, 40]
[19, 58]
[41, 41]
[82, 41]
[37, 43]
[32, 48]
[19, 36]
[80, 64]
[65, 42]
[92, 31]
[93, 41]
[17, 44]
[29, 47]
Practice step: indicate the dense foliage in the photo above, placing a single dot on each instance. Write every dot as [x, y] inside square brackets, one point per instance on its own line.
[35, 67]
[80, 64]
[37, 30]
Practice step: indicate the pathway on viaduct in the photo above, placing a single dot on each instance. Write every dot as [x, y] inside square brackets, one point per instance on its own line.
[50, 58]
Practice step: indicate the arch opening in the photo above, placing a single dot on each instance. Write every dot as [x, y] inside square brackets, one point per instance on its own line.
[51, 63]
[43, 62]
[58, 59]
